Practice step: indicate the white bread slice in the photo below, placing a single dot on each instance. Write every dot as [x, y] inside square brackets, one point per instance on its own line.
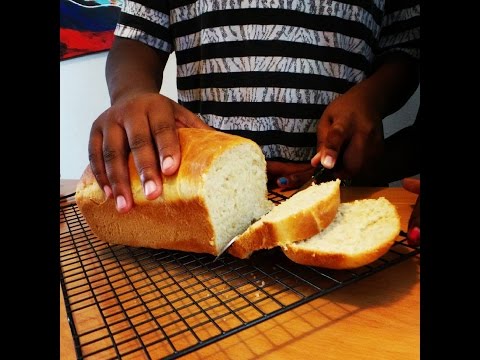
[218, 191]
[304, 214]
[362, 231]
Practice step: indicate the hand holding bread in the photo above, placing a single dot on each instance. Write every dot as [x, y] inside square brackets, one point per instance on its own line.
[146, 124]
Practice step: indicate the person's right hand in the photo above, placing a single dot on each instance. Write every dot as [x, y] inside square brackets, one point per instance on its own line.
[145, 124]
[350, 133]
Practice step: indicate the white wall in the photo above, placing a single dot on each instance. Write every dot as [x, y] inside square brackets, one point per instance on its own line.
[403, 117]
[84, 96]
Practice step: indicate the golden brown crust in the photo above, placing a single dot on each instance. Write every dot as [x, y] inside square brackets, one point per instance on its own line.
[142, 226]
[300, 226]
[178, 219]
[194, 163]
[383, 229]
[337, 261]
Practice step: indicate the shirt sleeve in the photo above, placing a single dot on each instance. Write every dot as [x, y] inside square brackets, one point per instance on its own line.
[400, 28]
[147, 21]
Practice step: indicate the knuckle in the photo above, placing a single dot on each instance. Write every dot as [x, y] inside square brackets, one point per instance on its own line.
[138, 141]
[166, 136]
[335, 137]
[164, 146]
[337, 129]
[109, 154]
[145, 169]
[162, 128]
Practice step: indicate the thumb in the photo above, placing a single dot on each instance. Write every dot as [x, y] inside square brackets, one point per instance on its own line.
[331, 136]
[186, 118]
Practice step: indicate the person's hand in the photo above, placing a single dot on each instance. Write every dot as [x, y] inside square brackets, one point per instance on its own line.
[413, 234]
[145, 124]
[288, 175]
[349, 134]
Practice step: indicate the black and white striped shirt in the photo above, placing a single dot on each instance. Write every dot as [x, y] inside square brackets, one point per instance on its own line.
[266, 69]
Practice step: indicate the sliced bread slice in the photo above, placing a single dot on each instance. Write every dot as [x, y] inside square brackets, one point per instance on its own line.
[303, 215]
[362, 231]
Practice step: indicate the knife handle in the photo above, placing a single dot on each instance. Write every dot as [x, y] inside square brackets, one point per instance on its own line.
[322, 174]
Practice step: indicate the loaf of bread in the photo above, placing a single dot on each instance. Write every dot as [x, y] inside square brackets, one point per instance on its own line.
[301, 216]
[362, 231]
[219, 190]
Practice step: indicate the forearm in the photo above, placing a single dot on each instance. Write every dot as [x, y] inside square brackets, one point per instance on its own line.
[391, 85]
[133, 67]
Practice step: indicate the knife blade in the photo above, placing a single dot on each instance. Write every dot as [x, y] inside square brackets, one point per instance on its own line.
[227, 245]
[316, 178]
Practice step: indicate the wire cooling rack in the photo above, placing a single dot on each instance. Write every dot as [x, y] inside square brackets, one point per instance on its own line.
[129, 303]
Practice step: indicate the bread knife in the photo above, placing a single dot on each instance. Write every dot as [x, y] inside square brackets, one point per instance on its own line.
[321, 175]
[316, 178]
[225, 248]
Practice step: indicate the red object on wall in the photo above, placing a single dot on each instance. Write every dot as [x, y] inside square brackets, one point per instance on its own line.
[87, 26]
[76, 43]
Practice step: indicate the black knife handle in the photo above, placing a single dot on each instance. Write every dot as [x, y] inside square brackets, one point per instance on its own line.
[322, 174]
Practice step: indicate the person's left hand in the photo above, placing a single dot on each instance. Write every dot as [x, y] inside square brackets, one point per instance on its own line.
[413, 234]
[287, 175]
[350, 133]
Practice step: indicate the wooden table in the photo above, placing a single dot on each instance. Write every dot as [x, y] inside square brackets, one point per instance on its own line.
[375, 318]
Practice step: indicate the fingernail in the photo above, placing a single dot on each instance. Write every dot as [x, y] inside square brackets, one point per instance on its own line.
[149, 187]
[107, 191]
[121, 203]
[414, 235]
[282, 181]
[167, 162]
[328, 162]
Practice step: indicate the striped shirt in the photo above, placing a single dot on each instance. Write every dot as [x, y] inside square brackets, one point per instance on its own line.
[266, 69]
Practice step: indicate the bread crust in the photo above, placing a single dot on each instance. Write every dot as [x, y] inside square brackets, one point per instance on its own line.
[303, 224]
[349, 259]
[337, 261]
[178, 219]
